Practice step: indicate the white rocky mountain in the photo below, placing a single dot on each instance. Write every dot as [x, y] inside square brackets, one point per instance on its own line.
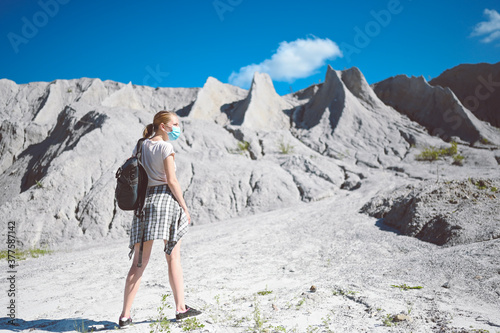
[241, 152]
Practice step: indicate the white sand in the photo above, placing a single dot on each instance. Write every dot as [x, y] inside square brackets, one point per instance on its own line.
[328, 244]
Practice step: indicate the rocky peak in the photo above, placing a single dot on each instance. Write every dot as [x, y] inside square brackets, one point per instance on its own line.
[263, 108]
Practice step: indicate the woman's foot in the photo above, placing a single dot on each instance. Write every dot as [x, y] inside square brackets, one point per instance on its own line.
[124, 322]
[190, 312]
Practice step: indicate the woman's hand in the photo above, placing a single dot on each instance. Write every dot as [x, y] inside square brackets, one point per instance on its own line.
[188, 216]
[174, 185]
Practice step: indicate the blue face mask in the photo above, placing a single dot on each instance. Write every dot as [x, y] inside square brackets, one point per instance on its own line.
[174, 135]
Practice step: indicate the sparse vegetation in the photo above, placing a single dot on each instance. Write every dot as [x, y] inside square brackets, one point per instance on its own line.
[300, 303]
[243, 146]
[82, 328]
[312, 329]
[484, 141]
[257, 318]
[191, 324]
[23, 254]
[326, 322]
[433, 154]
[404, 286]
[279, 328]
[285, 148]
[388, 320]
[453, 150]
[39, 184]
[428, 154]
[161, 324]
[483, 185]
[409, 307]
[458, 160]
[264, 292]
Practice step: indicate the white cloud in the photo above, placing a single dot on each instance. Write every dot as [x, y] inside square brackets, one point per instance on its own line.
[293, 60]
[490, 28]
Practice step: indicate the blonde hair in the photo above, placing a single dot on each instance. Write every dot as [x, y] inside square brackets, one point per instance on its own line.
[162, 117]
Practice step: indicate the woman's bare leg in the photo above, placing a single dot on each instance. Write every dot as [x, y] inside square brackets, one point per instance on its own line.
[134, 276]
[175, 277]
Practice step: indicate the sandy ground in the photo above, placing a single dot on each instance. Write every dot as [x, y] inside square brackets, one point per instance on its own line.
[352, 259]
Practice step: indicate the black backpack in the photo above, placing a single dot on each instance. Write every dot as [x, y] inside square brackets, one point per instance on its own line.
[131, 183]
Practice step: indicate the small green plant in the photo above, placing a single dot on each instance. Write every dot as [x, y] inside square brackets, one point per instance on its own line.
[432, 153]
[388, 320]
[82, 328]
[312, 329]
[70, 90]
[23, 254]
[409, 307]
[494, 189]
[239, 321]
[161, 324]
[257, 317]
[191, 324]
[279, 328]
[285, 148]
[405, 286]
[243, 146]
[38, 184]
[36, 253]
[480, 184]
[264, 292]
[484, 141]
[428, 154]
[450, 151]
[300, 303]
[216, 314]
[458, 159]
[326, 322]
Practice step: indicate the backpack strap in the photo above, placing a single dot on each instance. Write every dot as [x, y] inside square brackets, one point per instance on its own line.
[139, 211]
[138, 149]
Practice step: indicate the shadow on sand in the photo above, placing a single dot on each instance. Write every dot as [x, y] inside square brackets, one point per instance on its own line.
[58, 325]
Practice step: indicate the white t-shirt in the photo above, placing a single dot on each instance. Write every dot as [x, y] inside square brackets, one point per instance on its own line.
[153, 155]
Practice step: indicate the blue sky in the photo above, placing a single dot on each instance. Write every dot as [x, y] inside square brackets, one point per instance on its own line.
[181, 43]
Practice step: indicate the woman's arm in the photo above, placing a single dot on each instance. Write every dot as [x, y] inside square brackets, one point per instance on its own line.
[173, 183]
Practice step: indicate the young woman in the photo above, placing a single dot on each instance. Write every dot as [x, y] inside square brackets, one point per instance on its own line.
[165, 215]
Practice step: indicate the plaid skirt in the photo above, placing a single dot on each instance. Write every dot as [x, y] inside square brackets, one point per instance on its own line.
[163, 218]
